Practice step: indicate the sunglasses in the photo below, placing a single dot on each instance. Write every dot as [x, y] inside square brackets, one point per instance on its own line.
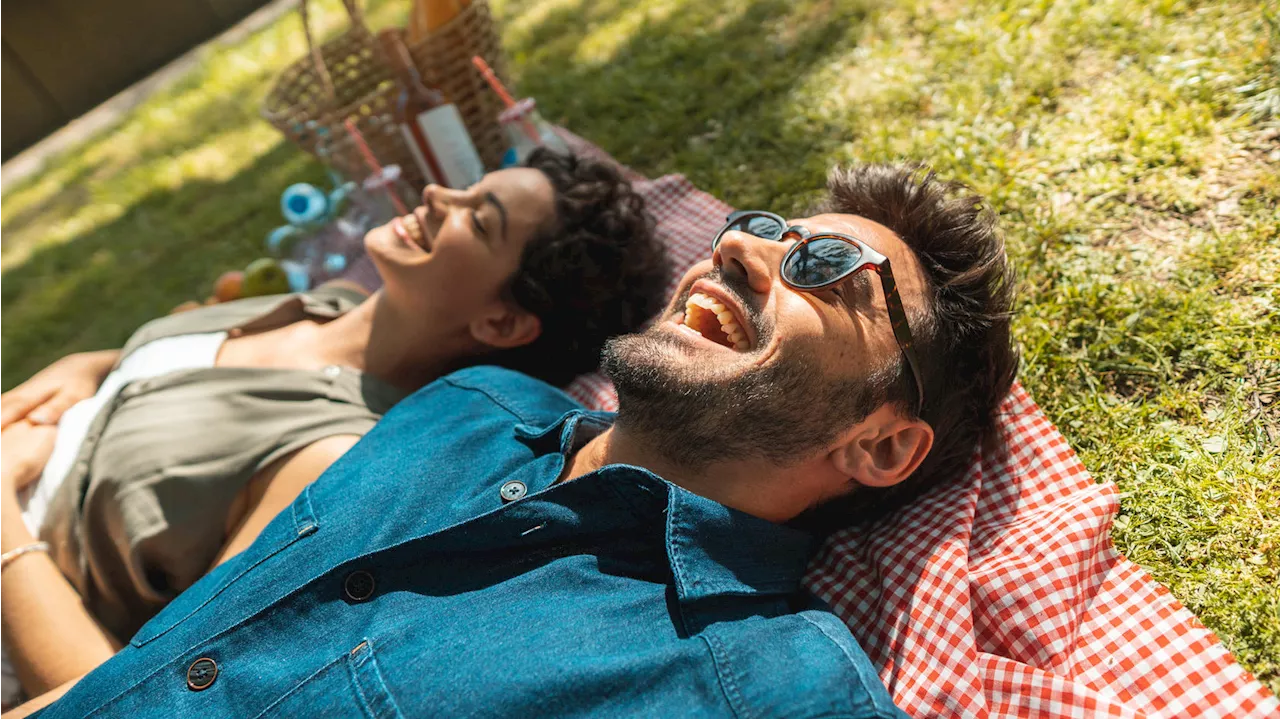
[820, 260]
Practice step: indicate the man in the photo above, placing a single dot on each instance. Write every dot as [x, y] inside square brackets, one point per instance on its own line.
[491, 549]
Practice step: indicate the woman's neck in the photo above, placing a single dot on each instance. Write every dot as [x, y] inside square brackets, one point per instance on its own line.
[377, 339]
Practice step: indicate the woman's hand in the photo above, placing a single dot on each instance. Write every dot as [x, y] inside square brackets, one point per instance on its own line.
[24, 451]
[54, 389]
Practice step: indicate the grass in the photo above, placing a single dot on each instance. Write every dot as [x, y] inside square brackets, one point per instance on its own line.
[1129, 146]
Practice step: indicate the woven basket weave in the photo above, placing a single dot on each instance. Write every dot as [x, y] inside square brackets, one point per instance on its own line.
[348, 78]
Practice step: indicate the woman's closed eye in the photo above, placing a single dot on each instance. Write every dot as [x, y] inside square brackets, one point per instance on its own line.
[478, 225]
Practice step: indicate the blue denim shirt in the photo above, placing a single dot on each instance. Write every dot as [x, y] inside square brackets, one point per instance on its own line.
[438, 569]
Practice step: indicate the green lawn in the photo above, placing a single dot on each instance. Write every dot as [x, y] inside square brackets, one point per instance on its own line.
[1131, 147]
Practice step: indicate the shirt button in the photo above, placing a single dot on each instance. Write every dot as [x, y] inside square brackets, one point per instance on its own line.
[332, 370]
[513, 490]
[201, 673]
[358, 586]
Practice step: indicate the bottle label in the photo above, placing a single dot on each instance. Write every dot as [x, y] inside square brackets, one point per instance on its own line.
[452, 146]
[423, 165]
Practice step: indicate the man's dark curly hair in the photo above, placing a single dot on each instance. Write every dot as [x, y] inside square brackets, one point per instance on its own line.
[597, 271]
[967, 357]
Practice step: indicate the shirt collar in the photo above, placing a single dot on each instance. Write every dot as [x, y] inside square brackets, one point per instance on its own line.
[713, 550]
[716, 550]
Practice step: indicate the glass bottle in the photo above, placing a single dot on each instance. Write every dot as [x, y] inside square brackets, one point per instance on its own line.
[432, 126]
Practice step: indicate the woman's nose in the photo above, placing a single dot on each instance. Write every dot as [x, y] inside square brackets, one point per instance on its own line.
[430, 195]
[749, 257]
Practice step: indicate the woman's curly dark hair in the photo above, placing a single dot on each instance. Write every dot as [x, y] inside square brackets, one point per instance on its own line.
[598, 271]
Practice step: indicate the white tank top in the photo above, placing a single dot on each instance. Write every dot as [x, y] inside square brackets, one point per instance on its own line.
[156, 358]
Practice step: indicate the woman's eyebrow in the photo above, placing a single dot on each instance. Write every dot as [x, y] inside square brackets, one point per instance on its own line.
[502, 211]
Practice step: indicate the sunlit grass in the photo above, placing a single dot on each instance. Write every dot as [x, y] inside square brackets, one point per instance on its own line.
[1131, 148]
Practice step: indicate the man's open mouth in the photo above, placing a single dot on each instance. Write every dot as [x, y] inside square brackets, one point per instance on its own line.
[409, 228]
[715, 321]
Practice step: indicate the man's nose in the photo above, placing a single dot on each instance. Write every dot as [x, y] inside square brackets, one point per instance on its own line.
[751, 258]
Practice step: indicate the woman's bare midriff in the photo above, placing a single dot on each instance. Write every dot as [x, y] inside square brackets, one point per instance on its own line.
[275, 487]
[265, 350]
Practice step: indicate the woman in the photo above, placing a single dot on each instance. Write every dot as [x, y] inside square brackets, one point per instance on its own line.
[213, 421]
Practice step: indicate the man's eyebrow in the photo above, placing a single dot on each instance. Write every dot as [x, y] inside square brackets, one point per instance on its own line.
[502, 211]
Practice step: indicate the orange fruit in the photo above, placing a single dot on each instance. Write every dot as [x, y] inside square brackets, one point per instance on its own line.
[229, 286]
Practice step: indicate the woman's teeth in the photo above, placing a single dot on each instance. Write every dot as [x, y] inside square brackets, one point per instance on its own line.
[412, 229]
[699, 312]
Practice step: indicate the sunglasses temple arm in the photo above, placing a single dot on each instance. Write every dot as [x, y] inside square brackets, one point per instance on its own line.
[901, 329]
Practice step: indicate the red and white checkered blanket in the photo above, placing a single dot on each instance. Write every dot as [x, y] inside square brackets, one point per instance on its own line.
[1000, 596]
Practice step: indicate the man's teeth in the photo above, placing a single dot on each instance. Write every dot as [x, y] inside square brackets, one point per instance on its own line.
[728, 325]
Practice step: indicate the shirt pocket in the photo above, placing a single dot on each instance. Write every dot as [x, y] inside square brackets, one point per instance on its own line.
[290, 526]
[350, 686]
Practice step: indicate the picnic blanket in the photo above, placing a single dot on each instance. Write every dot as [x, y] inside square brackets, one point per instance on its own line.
[1001, 595]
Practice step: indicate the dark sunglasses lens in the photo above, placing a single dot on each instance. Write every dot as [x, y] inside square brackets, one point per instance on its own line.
[759, 225]
[819, 262]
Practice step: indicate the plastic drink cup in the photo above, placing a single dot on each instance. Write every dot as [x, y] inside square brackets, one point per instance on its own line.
[522, 124]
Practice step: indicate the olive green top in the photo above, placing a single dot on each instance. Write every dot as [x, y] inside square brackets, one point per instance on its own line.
[142, 513]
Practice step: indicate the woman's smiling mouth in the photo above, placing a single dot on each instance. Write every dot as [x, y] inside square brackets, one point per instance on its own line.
[409, 229]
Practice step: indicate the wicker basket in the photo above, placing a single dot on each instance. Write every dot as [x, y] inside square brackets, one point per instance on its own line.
[444, 60]
[348, 78]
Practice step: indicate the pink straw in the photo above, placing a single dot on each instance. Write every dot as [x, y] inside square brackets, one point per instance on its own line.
[372, 162]
[492, 78]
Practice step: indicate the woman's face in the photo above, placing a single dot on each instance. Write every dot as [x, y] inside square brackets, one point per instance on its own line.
[451, 258]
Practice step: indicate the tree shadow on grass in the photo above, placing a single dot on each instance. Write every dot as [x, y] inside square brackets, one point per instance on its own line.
[691, 87]
[56, 204]
[94, 290]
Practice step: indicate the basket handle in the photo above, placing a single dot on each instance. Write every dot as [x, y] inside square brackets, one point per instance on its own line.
[317, 58]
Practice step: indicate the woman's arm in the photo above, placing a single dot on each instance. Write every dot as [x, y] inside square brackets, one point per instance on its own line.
[40, 702]
[49, 633]
[51, 391]
[51, 637]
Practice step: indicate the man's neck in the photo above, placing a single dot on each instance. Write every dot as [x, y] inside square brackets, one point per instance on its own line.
[770, 492]
[722, 482]
[612, 447]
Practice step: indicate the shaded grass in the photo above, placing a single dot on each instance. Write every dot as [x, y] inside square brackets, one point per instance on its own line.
[1122, 143]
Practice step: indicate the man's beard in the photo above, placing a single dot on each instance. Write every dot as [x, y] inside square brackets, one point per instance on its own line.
[785, 412]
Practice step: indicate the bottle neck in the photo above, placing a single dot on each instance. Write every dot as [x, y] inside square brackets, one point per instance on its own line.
[402, 65]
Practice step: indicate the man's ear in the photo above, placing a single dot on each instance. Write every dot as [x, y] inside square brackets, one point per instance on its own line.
[883, 449]
[506, 326]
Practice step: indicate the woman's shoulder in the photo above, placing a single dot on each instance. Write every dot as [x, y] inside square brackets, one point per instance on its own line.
[329, 300]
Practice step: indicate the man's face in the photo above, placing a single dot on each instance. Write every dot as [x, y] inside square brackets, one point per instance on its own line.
[740, 366]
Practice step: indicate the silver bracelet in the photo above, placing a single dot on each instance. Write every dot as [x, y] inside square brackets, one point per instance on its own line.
[13, 554]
